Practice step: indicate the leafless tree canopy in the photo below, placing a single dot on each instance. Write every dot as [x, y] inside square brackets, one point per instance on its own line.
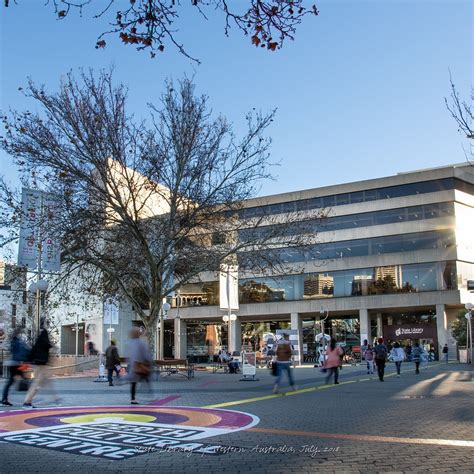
[144, 207]
[463, 114]
[151, 24]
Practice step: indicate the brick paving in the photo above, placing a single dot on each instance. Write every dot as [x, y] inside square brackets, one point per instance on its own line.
[309, 431]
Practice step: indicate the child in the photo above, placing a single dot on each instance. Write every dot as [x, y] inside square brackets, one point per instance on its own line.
[369, 357]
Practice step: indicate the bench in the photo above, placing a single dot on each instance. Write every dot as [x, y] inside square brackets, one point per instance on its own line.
[216, 366]
[175, 367]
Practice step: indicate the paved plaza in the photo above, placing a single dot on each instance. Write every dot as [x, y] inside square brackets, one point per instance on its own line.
[415, 423]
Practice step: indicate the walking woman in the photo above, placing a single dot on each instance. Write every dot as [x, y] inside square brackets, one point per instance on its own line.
[139, 362]
[398, 356]
[333, 361]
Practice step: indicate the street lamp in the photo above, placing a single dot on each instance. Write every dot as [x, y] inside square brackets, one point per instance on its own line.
[323, 334]
[228, 318]
[165, 307]
[38, 287]
[468, 316]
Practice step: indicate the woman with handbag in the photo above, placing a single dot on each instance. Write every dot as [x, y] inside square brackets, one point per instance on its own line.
[139, 362]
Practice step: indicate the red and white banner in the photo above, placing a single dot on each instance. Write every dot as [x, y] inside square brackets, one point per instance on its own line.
[29, 228]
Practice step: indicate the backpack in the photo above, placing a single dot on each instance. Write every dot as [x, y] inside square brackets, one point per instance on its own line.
[380, 352]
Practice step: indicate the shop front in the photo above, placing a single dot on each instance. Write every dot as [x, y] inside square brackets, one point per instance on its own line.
[409, 334]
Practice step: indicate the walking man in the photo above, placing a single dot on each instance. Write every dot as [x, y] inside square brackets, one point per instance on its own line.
[283, 356]
[19, 354]
[112, 362]
[381, 352]
[416, 356]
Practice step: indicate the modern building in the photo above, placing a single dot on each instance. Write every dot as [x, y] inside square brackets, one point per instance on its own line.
[392, 259]
[16, 306]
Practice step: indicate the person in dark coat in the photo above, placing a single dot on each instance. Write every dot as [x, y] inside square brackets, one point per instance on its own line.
[19, 353]
[40, 357]
[112, 362]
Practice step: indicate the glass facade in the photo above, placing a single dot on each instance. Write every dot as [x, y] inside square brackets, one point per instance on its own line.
[361, 247]
[368, 281]
[359, 282]
[359, 196]
[351, 221]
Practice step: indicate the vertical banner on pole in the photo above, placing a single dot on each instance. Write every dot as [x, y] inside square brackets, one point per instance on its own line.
[39, 211]
[29, 228]
[51, 250]
[229, 287]
[111, 312]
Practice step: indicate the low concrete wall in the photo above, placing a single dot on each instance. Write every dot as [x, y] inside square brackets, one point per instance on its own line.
[70, 364]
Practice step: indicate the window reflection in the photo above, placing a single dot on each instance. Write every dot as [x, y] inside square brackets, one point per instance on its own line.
[363, 196]
[365, 219]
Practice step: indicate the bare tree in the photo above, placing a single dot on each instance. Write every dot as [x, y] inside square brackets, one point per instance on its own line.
[146, 207]
[150, 24]
[463, 114]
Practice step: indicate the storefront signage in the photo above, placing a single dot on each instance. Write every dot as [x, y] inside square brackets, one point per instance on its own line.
[118, 433]
[409, 331]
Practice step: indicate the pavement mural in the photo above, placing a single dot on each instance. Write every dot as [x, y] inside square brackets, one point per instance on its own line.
[122, 432]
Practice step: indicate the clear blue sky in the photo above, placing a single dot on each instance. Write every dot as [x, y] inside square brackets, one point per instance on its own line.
[360, 92]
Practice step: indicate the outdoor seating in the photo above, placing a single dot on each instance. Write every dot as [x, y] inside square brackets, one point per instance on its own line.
[217, 366]
[169, 367]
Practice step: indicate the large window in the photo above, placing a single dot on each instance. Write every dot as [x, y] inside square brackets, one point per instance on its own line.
[361, 247]
[390, 279]
[352, 221]
[359, 196]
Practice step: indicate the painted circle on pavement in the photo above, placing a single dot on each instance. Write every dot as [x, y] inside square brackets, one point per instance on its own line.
[176, 415]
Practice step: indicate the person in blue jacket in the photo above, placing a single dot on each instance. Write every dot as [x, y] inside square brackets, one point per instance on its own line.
[19, 353]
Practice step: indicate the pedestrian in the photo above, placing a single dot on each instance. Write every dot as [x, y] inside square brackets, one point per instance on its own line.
[112, 362]
[369, 358]
[283, 362]
[40, 358]
[445, 353]
[380, 356]
[416, 357]
[398, 356]
[363, 348]
[139, 362]
[19, 353]
[333, 361]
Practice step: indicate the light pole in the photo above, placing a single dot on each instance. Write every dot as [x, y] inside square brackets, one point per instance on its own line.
[37, 288]
[165, 307]
[228, 318]
[468, 316]
[323, 334]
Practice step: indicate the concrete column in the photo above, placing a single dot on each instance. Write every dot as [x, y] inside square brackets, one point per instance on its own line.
[297, 325]
[180, 339]
[379, 325]
[443, 320]
[235, 343]
[364, 321]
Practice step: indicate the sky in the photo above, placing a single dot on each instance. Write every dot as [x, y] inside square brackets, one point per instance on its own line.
[359, 93]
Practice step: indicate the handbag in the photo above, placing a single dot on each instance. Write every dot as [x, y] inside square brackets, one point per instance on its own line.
[274, 368]
[23, 385]
[142, 368]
